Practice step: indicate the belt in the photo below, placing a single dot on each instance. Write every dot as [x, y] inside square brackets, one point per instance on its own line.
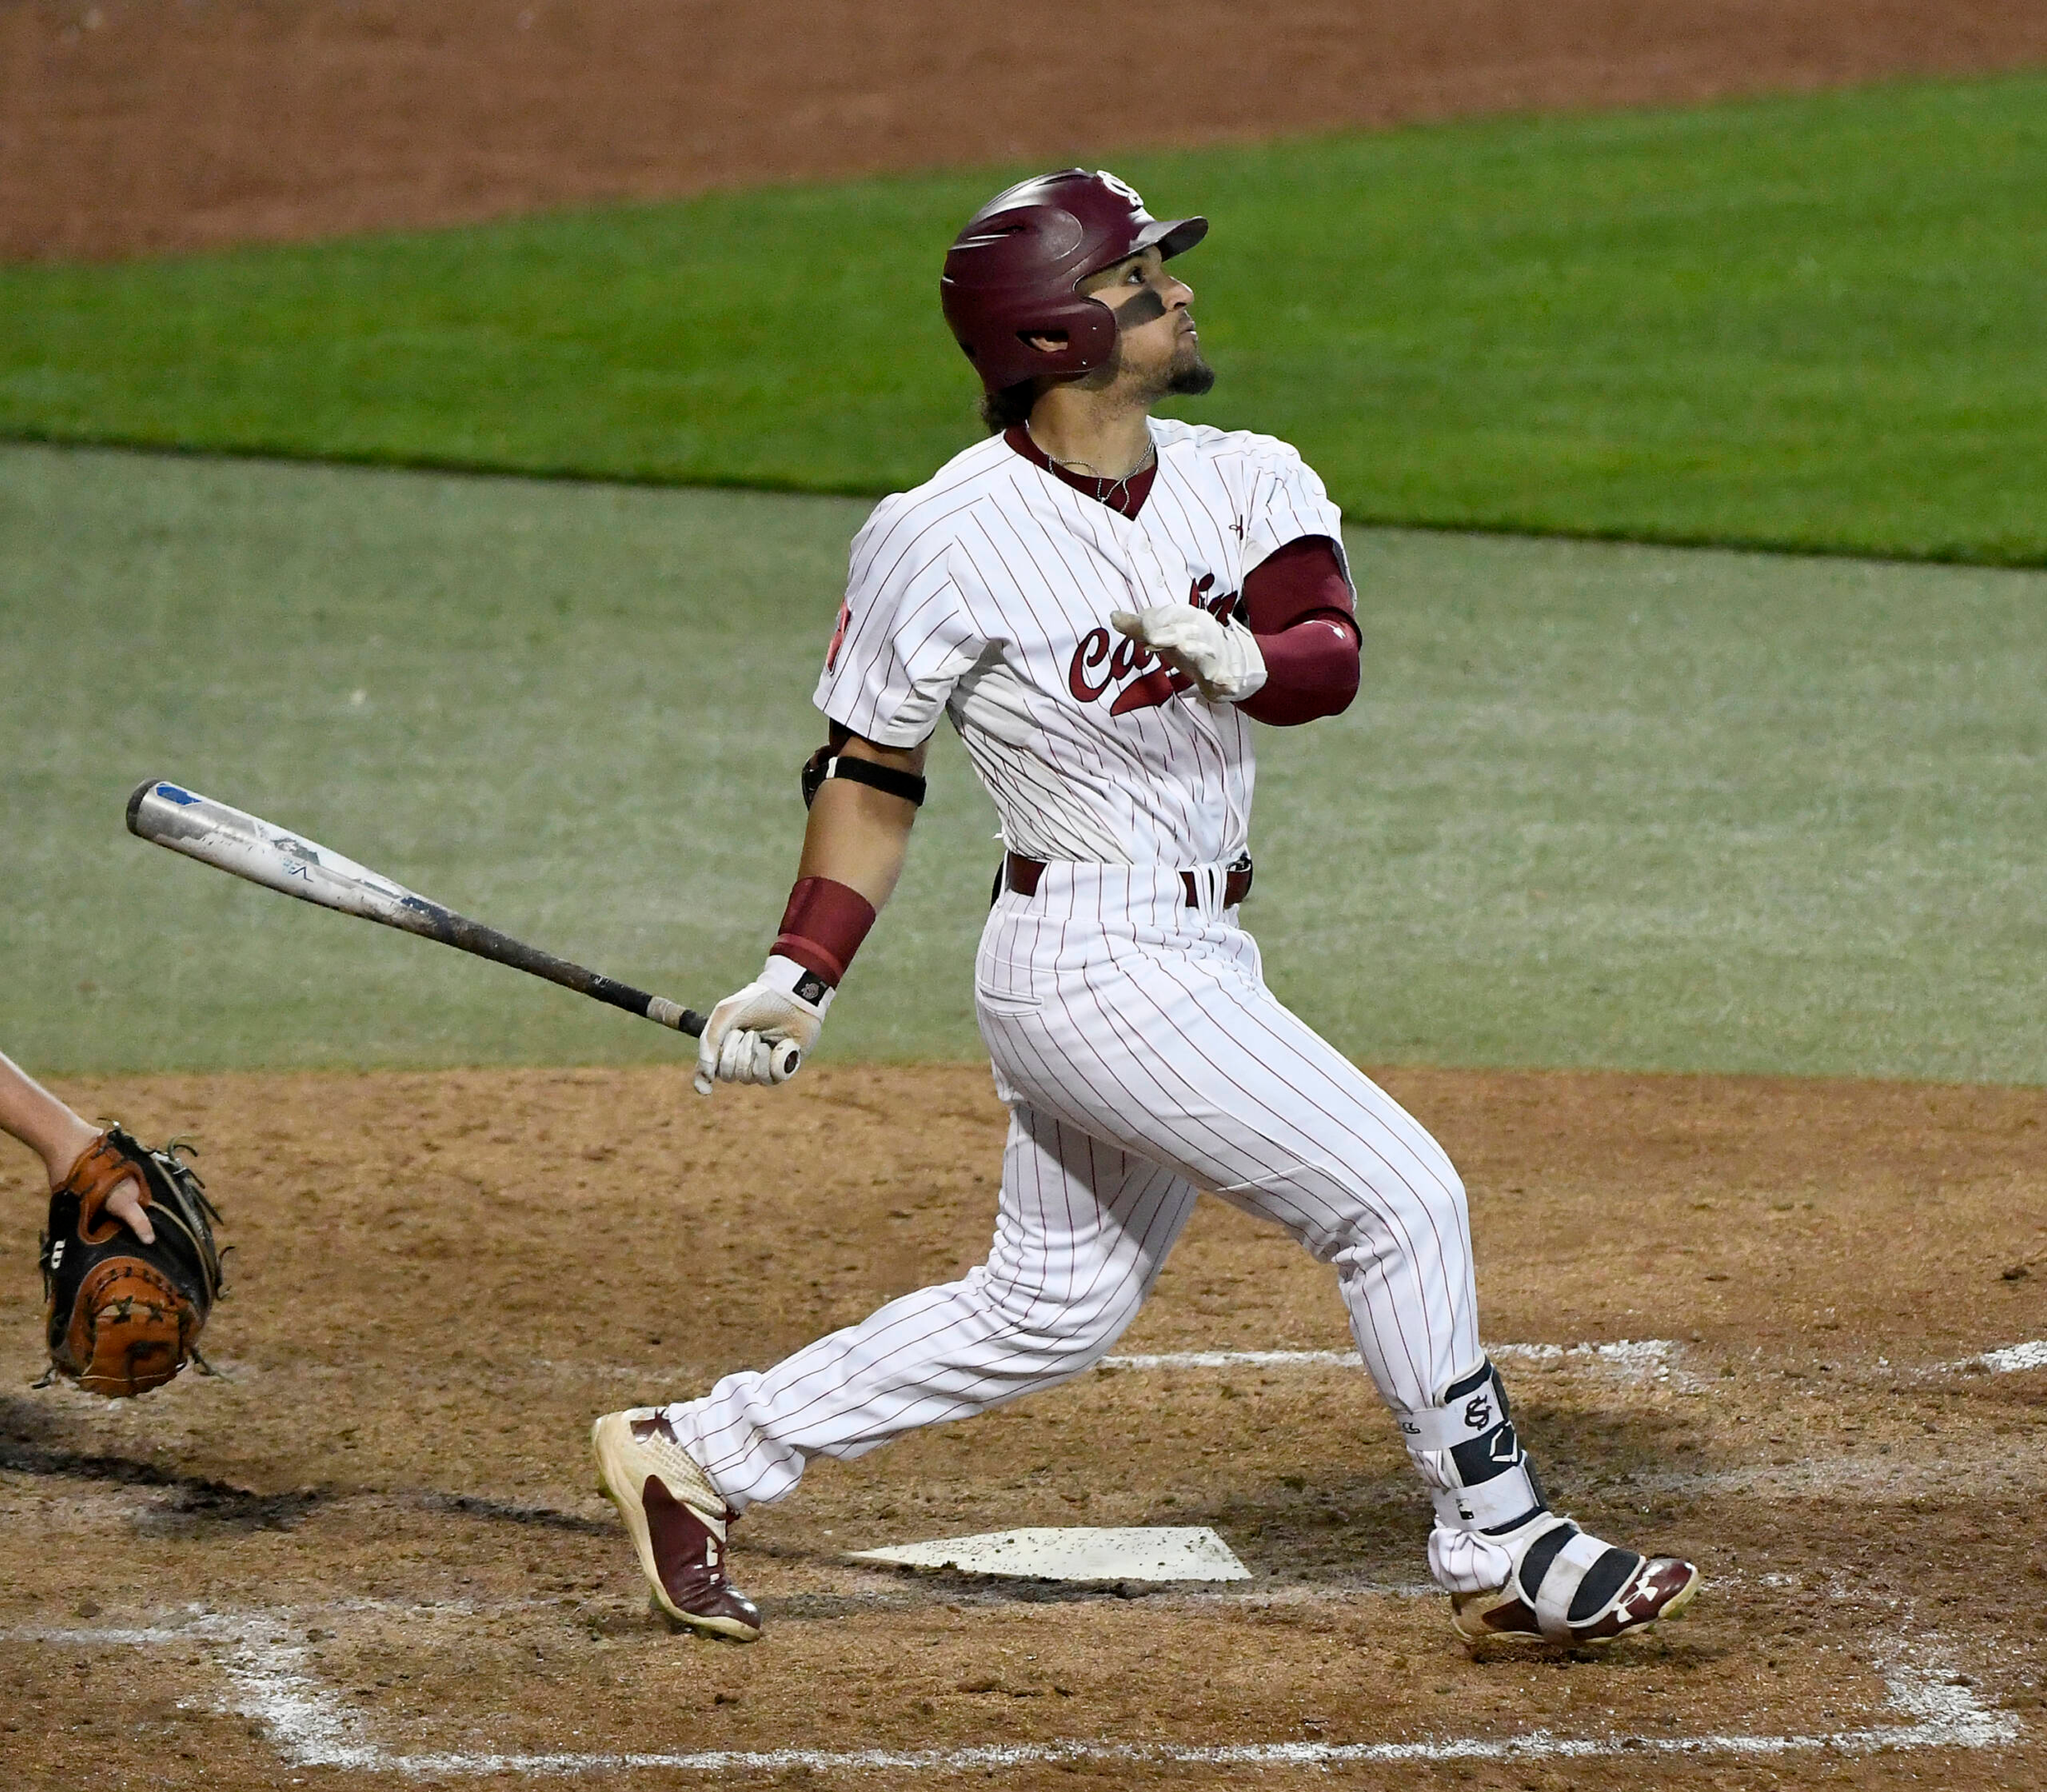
[1022, 875]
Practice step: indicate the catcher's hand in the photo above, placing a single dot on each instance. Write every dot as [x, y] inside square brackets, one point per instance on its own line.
[123, 1314]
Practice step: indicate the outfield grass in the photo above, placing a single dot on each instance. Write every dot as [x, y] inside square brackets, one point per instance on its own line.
[1811, 322]
[1598, 804]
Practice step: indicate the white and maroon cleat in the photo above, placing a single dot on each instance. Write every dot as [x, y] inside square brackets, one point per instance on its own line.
[1568, 1587]
[676, 1519]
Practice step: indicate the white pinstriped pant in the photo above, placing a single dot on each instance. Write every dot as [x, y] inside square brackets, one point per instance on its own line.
[1143, 1059]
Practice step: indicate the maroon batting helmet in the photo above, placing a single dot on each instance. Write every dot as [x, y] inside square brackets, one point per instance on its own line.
[1011, 272]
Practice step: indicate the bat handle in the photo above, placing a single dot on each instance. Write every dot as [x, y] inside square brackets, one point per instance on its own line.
[673, 1014]
[785, 1058]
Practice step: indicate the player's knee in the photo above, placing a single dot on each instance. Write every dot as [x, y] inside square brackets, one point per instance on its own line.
[1067, 1334]
[1442, 1198]
[1374, 1222]
[1103, 1321]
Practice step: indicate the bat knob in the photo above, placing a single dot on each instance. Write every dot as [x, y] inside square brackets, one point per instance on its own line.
[785, 1058]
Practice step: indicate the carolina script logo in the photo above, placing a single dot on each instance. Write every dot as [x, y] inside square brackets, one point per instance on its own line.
[1104, 660]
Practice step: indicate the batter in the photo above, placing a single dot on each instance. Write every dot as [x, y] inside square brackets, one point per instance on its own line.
[1102, 602]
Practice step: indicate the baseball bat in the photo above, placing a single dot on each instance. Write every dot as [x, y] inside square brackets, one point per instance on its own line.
[250, 847]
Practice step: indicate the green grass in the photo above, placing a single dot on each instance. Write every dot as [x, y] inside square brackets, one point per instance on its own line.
[1811, 322]
[1598, 804]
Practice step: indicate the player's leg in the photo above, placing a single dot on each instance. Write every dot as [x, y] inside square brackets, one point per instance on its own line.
[1183, 1054]
[1082, 1231]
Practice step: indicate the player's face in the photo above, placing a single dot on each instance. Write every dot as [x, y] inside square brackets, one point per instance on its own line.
[1159, 350]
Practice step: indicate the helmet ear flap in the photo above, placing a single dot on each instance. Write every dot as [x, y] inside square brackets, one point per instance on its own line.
[1099, 330]
[1090, 336]
[1089, 328]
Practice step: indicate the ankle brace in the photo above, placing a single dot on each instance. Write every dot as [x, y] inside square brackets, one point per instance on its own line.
[1478, 1475]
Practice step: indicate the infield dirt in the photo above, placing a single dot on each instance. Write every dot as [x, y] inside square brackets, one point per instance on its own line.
[132, 126]
[378, 1534]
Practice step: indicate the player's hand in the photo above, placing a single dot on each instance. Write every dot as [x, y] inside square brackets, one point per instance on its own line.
[125, 1204]
[747, 1038]
[61, 1153]
[1222, 658]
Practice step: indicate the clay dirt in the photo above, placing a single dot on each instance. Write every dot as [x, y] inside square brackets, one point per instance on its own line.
[140, 126]
[374, 1541]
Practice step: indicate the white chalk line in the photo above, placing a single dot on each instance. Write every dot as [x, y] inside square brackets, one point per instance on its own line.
[1644, 1359]
[2010, 1360]
[271, 1684]
[1649, 1360]
[1636, 1359]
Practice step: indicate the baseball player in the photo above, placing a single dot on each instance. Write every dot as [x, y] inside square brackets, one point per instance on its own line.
[1102, 602]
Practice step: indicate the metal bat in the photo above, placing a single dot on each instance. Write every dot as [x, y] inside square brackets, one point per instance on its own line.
[250, 847]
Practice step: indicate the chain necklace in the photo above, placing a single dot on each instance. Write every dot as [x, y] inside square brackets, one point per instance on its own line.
[1106, 490]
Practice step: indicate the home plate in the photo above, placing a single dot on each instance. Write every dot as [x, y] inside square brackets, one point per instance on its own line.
[1078, 1552]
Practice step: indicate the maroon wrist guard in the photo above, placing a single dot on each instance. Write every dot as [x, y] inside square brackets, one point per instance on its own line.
[823, 926]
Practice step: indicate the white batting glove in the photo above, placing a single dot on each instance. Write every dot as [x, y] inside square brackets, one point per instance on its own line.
[1222, 658]
[749, 1035]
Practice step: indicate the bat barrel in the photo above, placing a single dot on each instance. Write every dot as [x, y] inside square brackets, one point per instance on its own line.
[249, 847]
[232, 840]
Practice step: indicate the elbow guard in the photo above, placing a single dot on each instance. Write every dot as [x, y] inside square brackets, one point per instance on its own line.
[829, 762]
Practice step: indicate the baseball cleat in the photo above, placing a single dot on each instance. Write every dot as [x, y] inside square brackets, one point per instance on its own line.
[1569, 1588]
[677, 1521]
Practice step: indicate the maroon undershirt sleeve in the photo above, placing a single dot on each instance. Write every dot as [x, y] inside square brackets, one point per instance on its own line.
[1298, 605]
[823, 926]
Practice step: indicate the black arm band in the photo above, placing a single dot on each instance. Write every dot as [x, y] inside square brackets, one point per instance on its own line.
[824, 763]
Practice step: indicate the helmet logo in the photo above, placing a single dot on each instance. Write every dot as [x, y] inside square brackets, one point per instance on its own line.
[1117, 185]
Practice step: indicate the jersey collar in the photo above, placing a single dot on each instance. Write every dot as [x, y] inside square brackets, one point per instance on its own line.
[1125, 497]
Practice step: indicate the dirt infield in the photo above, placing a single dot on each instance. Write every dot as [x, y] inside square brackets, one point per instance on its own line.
[372, 1555]
[131, 126]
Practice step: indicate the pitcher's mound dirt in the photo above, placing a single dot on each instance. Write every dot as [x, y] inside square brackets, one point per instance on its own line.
[128, 126]
[373, 1556]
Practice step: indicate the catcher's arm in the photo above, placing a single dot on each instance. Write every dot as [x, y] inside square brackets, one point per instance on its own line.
[31, 1113]
[863, 801]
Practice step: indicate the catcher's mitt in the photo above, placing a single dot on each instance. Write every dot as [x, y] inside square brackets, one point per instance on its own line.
[124, 1316]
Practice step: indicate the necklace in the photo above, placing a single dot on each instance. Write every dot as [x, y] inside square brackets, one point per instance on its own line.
[1106, 490]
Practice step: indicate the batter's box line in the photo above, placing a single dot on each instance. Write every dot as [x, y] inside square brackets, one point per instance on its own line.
[272, 1684]
[1652, 1360]
[1630, 1359]
[2010, 1360]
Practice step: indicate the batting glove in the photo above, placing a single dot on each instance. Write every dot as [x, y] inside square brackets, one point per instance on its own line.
[1222, 658]
[762, 1032]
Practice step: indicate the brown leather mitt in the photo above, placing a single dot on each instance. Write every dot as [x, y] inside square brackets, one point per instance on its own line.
[123, 1316]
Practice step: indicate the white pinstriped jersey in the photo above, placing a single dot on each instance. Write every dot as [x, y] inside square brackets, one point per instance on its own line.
[1131, 1032]
[985, 593]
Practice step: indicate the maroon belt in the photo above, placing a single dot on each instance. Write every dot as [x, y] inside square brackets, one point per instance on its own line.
[1022, 875]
